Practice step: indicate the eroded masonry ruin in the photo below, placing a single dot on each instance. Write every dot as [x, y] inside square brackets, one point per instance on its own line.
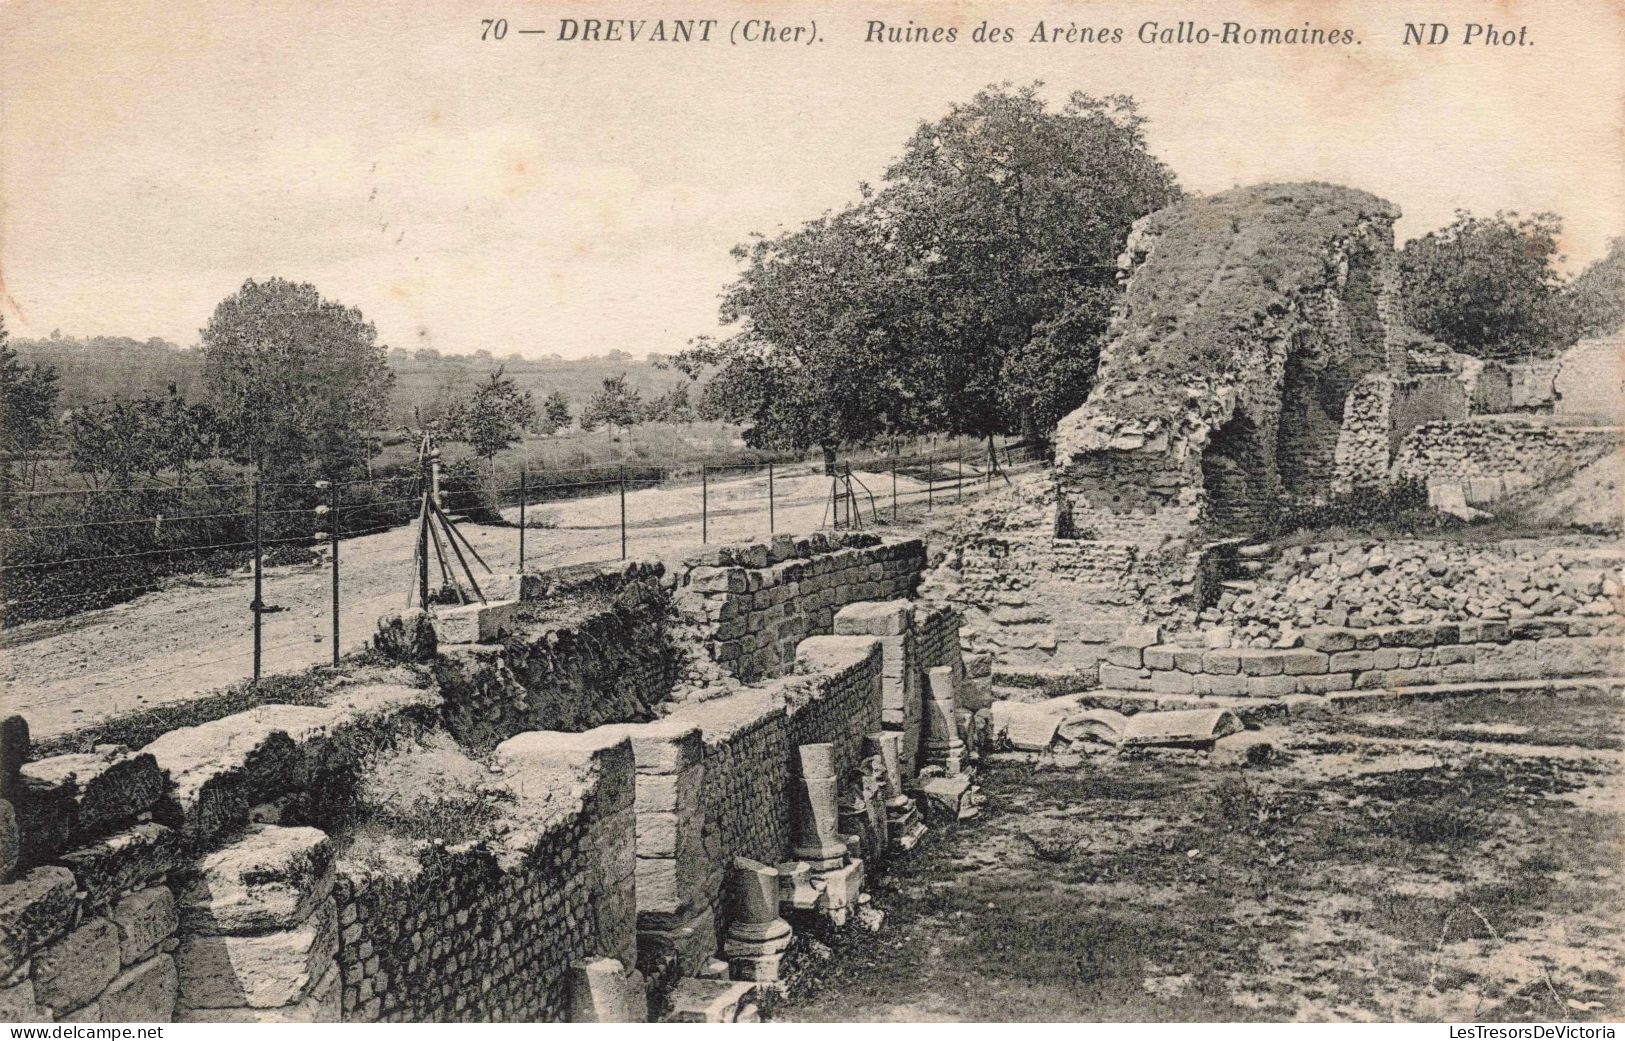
[1248, 319]
[618, 785]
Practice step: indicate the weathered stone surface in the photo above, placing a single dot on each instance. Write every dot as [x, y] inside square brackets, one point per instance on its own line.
[130, 859]
[221, 768]
[271, 878]
[406, 636]
[322, 1005]
[265, 970]
[875, 618]
[73, 971]
[144, 920]
[710, 1001]
[144, 993]
[1185, 727]
[602, 991]
[35, 909]
[477, 623]
[97, 790]
[18, 1004]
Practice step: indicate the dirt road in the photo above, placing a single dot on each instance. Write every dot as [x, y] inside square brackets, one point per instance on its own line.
[195, 636]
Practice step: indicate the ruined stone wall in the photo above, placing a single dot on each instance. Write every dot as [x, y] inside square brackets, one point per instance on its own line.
[583, 647]
[749, 606]
[1329, 660]
[1491, 457]
[486, 934]
[87, 908]
[1380, 411]
[1515, 386]
[1037, 602]
[1590, 379]
[1247, 320]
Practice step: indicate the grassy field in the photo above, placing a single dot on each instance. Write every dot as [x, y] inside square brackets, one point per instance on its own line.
[1450, 861]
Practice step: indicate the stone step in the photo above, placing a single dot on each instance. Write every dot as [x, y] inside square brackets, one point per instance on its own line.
[1258, 551]
[1239, 585]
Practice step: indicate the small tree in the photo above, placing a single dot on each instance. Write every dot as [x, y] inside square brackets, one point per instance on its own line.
[27, 402]
[615, 405]
[496, 416]
[122, 439]
[1489, 286]
[556, 412]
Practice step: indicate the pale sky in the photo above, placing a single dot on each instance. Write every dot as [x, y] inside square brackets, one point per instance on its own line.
[541, 197]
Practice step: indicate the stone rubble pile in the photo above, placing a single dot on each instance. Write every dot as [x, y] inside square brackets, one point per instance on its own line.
[1362, 585]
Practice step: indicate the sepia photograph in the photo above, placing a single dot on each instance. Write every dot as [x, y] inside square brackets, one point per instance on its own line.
[781, 512]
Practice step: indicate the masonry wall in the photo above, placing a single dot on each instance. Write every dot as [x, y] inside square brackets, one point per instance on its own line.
[1035, 601]
[750, 606]
[1590, 379]
[584, 647]
[1515, 387]
[1492, 457]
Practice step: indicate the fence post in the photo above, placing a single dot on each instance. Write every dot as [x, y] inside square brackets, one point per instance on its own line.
[623, 511]
[258, 606]
[930, 473]
[959, 479]
[521, 518]
[894, 480]
[770, 517]
[333, 507]
[705, 507]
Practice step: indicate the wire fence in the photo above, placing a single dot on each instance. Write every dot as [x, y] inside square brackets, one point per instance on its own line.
[62, 554]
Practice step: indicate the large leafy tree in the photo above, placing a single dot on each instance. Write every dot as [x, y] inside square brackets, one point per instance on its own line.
[1011, 213]
[122, 438]
[967, 294]
[294, 377]
[1596, 297]
[1489, 286]
[820, 356]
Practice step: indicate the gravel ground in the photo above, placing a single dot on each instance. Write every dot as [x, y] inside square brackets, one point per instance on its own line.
[194, 635]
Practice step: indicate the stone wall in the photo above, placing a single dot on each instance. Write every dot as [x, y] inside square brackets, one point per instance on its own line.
[1590, 380]
[1380, 411]
[750, 606]
[582, 647]
[1037, 602]
[1487, 458]
[1327, 660]
[1515, 386]
[1247, 319]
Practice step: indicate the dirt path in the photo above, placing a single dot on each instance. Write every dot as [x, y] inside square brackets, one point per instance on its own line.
[194, 636]
[1436, 876]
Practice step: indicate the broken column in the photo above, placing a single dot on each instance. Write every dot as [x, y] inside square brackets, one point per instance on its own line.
[943, 746]
[944, 783]
[904, 828]
[863, 812]
[818, 837]
[757, 937]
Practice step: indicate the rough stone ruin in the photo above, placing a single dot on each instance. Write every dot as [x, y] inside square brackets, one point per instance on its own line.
[1249, 318]
[620, 792]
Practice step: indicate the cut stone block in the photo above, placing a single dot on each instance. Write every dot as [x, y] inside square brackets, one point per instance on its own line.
[477, 623]
[271, 878]
[1188, 727]
[709, 1001]
[219, 769]
[144, 920]
[70, 973]
[142, 994]
[131, 859]
[875, 618]
[35, 909]
[267, 970]
[97, 790]
[1025, 727]
[602, 991]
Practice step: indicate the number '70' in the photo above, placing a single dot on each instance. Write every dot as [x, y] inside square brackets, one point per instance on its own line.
[493, 28]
